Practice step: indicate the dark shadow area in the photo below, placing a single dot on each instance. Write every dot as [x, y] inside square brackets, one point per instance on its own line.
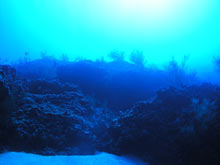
[58, 107]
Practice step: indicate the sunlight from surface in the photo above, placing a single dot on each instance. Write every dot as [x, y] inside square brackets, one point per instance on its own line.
[93, 28]
[157, 9]
[142, 14]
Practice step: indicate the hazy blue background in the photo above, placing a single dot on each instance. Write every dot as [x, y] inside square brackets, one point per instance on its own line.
[93, 28]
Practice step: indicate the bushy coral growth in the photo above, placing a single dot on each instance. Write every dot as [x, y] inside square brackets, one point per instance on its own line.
[180, 126]
[217, 63]
[46, 117]
[177, 74]
[138, 58]
[40, 113]
[118, 83]
[117, 56]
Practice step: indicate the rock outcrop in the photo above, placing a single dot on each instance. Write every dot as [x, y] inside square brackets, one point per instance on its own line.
[179, 126]
[44, 117]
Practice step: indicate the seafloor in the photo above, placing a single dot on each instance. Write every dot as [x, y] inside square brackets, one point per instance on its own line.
[164, 117]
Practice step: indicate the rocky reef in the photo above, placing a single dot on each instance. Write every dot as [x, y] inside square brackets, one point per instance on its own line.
[179, 126]
[53, 117]
[45, 117]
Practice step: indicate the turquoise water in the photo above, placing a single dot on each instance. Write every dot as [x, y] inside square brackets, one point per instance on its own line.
[14, 158]
[68, 90]
[90, 29]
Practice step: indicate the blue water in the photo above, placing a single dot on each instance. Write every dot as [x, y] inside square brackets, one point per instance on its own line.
[14, 158]
[91, 29]
[129, 75]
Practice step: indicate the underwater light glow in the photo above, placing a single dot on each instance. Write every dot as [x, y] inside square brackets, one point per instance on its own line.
[93, 28]
[157, 9]
[147, 15]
